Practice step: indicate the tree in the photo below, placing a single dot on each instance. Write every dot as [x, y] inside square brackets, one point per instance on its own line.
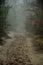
[3, 21]
[38, 25]
[2, 2]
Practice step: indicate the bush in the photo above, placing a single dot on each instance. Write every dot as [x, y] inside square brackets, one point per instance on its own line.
[38, 41]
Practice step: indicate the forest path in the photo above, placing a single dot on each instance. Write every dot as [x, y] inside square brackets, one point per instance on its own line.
[19, 50]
